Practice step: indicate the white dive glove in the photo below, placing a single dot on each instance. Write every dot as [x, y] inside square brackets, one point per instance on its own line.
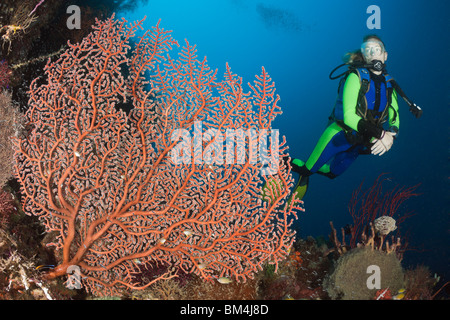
[383, 144]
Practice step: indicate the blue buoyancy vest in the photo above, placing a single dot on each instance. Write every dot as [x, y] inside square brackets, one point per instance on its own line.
[372, 104]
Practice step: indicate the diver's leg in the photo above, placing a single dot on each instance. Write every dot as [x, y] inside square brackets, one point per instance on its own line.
[340, 162]
[321, 153]
[331, 142]
[326, 171]
[343, 160]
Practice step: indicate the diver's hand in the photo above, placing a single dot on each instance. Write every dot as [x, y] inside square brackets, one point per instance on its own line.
[378, 147]
[384, 144]
[388, 139]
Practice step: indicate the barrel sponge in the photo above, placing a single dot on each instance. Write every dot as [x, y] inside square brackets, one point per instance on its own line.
[348, 280]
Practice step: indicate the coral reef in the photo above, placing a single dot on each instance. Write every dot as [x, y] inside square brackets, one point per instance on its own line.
[5, 75]
[162, 290]
[366, 206]
[30, 34]
[7, 208]
[11, 125]
[19, 279]
[109, 186]
[300, 276]
[348, 281]
[198, 289]
[419, 283]
[28, 40]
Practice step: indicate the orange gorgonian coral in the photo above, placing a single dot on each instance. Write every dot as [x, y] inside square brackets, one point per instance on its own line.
[104, 180]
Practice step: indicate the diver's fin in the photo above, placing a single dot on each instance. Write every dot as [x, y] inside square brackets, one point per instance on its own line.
[301, 187]
[275, 183]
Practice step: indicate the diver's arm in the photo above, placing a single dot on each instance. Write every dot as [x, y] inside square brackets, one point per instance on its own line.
[380, 146]
[349, 101]
[394, 116]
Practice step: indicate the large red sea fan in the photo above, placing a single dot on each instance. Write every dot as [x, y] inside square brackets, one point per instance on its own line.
[105, 181]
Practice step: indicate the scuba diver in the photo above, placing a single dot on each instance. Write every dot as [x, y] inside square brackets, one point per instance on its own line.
[365, 118]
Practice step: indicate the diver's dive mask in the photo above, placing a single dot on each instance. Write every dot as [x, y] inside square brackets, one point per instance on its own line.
[372, 48]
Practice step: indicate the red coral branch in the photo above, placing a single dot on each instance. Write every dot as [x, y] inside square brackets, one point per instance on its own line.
[365, 207]
[107, 183]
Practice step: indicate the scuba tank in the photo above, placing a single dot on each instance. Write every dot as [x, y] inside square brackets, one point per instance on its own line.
[379, 66]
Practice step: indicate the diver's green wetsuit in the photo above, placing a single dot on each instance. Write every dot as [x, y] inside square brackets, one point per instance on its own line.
[356, 119]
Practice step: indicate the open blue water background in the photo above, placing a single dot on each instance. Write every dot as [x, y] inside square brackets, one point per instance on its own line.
[299, 43]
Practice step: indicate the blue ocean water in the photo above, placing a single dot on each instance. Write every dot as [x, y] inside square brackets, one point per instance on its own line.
[299, 43]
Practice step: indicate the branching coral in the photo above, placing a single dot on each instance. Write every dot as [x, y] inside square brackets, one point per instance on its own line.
[108, 184]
